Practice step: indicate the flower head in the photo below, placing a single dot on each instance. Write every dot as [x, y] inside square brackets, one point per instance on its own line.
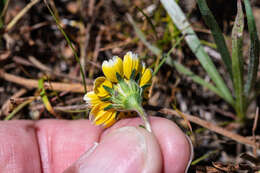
[121, 91]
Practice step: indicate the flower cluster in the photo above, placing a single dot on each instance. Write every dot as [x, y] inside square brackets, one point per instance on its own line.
[121, 91]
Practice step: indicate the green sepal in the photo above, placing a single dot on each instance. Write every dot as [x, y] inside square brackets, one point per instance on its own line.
[110, 90]
[142, 126]
[119, 77]
[133, 74]
[138, 77]
[124, 85]
[106, 99]
[108, 107]
[146, 86]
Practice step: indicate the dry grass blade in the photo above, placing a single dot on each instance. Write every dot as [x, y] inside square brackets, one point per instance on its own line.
[208, 125]
[32, 83]
[45, 98]
[20, 15]
[6, 106]
[17, 109]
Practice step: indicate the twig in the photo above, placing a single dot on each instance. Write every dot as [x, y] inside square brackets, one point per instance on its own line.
[70, 44]
[22, 61]
[91, 5]
[46, 69]
[254, 129]
[20, 15]
[196, 120]
[4, 9]
[38, 64]
[208, 125]
[6, 106]
[71, 108]
[222, 112]
[96, 51]
[33, 83]
[85, 40]
[17, 109]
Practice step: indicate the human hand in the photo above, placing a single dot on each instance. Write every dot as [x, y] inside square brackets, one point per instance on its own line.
[52, 146]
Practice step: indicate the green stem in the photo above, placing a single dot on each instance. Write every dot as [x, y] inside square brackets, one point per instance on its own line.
[140, 110]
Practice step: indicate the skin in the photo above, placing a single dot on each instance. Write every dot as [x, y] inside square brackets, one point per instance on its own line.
[54, 146]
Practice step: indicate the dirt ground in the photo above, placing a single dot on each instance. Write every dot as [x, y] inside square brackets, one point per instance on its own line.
[33, 48]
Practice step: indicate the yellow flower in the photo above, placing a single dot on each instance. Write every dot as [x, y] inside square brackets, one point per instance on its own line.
[131, 62]
[98, 86]
[92, 99]
[111, 67]
[120, 93]
[146, 77]
[101, 116]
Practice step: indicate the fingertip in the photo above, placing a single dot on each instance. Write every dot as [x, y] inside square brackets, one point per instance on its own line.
[61, 142]
[175, 147]
[18, 144]
[126, 149]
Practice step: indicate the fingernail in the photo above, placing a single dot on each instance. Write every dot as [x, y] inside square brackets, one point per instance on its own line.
[191, 153]
[89, 151]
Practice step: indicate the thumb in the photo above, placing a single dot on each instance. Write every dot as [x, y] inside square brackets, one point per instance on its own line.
[127, 149]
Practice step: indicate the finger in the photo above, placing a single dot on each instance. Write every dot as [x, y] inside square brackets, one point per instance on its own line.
[126, 149]
[18, 147]
[61, 142]
[176, 149]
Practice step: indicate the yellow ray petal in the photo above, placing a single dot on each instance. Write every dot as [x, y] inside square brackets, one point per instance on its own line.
[91, 98]
[98, 86]
[111, 67]
[94, 112]
[146, 77]
[111, 120]
[102, 114]
[99, 116]
[131, 62]
[105, 117]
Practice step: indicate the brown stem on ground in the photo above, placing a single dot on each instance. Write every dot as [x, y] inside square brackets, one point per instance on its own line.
[33, 83]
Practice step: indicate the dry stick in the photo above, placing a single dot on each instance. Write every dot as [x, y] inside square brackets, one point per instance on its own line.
[20, 15]
[4, 9]
[196, 120]
[37, 64]
[6, 106]
[85, 42]
[70, 108]
[33, 83]
[116, 44]
[96, 51]
[254, 129]
[91, 5]
[212, 127]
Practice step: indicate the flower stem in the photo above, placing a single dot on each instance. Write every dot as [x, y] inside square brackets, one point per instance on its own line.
[140, 110]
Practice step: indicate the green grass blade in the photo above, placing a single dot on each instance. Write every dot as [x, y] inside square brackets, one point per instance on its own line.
[17, 109]
[70, 44]
[193, 42]
[163, 59]
[45, 98]
[237, 59]
[182, 69]
[217, 34]
[166, 57]
[142, 37]
[254, 49]
[149, 21]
